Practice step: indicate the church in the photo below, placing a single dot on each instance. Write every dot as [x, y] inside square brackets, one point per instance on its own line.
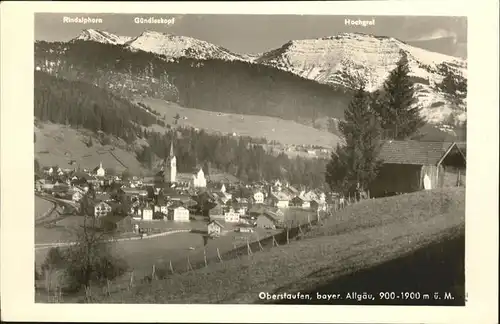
[168, 174]
[199, 180]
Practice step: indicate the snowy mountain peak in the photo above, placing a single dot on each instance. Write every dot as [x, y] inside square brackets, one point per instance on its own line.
[173, 46]
[337, 60]
[102, 37]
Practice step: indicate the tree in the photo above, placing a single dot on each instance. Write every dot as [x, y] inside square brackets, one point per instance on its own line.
[355, 162]
[37, 166]
[396, 106]
[90, 260]
[126, 175]
[454, 86]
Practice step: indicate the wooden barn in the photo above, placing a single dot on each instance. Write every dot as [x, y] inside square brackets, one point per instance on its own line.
[410, 166]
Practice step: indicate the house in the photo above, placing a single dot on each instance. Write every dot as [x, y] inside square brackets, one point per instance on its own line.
[293, 190]
[231, 217]
[266, 220]
[199, 180]
[80, 176]
[410, 166]
[245, 228]
[311, 195]
[318, 205]
[300, 201]
[102, 209]
[102, 196]
[99, 171]
[258, 197]
[214, 228]
[149, 181]
[277, 215]
[279, 199]
[55, 170]
[147, 213]
[133, 192]
[77, 196]
[179, 214]
[161, 205]
[240, 209]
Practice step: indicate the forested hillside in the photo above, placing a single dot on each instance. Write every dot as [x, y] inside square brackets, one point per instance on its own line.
[238, 87]
[80, 104]
[238, 156]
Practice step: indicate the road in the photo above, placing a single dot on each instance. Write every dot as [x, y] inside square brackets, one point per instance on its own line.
[49, 245]
[57, 202]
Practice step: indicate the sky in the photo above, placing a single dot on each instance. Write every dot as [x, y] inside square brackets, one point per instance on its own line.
[260, 33]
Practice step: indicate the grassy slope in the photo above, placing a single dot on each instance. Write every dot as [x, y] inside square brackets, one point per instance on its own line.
[65, 144]
[361, 236]
[285, 131]
[42, 206]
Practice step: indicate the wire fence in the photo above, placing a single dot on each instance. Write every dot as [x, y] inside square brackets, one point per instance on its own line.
[290, 231]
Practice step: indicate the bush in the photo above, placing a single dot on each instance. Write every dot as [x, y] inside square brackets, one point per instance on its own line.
[55, 259]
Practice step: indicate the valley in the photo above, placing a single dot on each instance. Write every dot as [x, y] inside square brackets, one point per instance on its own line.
[270, 171]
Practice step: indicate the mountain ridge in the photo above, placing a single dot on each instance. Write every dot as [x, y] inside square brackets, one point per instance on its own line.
[332, 60]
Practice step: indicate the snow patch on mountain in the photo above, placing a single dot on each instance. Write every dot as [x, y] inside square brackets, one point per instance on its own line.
[102, 37]
[337, 60]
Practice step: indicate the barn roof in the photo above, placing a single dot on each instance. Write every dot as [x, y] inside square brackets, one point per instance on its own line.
[414, 152]
[216, 222]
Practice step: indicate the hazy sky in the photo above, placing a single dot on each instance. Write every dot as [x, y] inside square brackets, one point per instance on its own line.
[260, 33]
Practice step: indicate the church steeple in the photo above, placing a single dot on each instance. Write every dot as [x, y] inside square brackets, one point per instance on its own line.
[170, 168]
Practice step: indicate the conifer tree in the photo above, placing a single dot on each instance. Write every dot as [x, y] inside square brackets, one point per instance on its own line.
[357, 160]
[396, 105]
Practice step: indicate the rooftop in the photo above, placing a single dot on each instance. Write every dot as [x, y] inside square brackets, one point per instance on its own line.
[413, 152]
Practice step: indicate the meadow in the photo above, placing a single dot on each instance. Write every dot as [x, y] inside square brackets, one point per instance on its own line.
[59, 145]
[42, 206]
[271, 128]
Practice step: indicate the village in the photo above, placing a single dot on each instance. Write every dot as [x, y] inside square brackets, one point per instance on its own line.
[145, 205]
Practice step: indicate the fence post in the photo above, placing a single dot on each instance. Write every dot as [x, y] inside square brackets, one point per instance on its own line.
[249, 250]
[171, 267]
[47, 281]
[131, 283]
[153, 272]
[236, 251]
[287, 235]
[109, 287]
[260, 245]
[218, 255]
[205, 257]
[275, 242]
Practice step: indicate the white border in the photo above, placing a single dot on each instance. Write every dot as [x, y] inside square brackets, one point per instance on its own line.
[17, 206]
